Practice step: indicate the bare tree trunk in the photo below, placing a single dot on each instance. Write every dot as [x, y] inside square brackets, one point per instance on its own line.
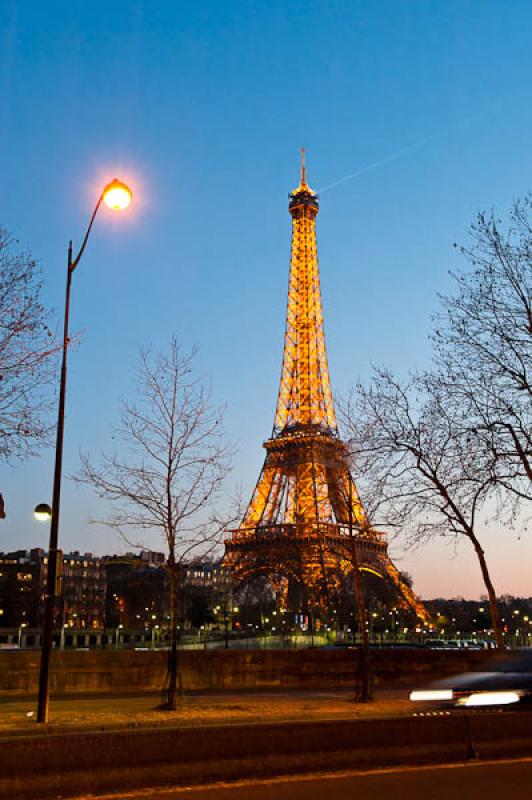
[364, 689]
[172, 653]
[492, 597]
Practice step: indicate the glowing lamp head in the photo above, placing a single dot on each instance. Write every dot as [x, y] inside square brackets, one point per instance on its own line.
[117, 196]
[42, 512]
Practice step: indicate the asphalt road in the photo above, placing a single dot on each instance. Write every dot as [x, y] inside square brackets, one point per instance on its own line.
[475, 781]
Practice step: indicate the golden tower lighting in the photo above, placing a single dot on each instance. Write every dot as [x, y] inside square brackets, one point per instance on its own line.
[298, 527]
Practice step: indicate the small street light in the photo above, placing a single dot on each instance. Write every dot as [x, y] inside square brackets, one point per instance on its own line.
[21, 628]
[42, 512]
[62, 637]
[116, 196]
[117, 635]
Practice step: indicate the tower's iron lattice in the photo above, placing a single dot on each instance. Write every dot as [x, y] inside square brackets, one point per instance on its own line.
[298, 527]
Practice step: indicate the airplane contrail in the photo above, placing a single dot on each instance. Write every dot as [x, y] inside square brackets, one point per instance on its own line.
[405, 150]
[376, 164]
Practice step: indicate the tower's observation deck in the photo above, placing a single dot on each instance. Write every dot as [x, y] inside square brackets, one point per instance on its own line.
[298, 526]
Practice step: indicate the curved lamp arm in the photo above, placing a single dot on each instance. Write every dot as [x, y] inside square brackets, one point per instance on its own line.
[73, 263]
[118, 197]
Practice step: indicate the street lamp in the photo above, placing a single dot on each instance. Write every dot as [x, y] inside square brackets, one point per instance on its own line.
[62, 637]
[116, 196]
[21, 628]
[42, 512]
[117, 636]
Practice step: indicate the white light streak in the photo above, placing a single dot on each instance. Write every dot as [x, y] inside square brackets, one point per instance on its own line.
[490, 699]
[424, 695]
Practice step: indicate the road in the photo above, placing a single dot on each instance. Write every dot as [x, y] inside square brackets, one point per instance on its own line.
[475, 781]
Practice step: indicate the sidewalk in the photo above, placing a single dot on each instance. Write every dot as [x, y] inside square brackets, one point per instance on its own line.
[17, 715]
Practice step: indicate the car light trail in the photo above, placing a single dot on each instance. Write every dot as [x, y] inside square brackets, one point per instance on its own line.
[490, 699]
[431, 694]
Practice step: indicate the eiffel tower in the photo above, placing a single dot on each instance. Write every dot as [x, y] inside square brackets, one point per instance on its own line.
[305, 514]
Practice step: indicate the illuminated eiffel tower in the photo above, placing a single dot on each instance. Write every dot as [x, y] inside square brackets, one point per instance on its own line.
[298, 527]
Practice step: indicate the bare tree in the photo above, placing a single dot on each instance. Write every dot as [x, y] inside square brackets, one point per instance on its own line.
[414, 461]
[170, 471]
[26, 349]
[483, 346]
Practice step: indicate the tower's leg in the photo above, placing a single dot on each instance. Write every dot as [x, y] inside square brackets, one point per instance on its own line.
[409, 595]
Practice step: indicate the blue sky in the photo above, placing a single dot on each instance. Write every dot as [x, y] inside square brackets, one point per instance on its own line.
[203, 109]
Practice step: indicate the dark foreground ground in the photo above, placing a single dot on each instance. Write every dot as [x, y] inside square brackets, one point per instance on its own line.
[17, 714]
[472, 781]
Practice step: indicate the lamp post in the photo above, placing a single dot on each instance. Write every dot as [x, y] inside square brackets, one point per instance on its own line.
[117, 636]
[116, 196]
[62, 639]
[21, 628]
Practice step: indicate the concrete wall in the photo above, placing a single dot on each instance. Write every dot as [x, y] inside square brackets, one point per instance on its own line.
[52, 765]
[131, 671]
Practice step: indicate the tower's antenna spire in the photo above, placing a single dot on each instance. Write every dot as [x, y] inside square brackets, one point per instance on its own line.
[303, 168]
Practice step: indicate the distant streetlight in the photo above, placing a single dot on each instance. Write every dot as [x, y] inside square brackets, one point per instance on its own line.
[116, 196]
[21, 628]
[62, 638]
[117, 638]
